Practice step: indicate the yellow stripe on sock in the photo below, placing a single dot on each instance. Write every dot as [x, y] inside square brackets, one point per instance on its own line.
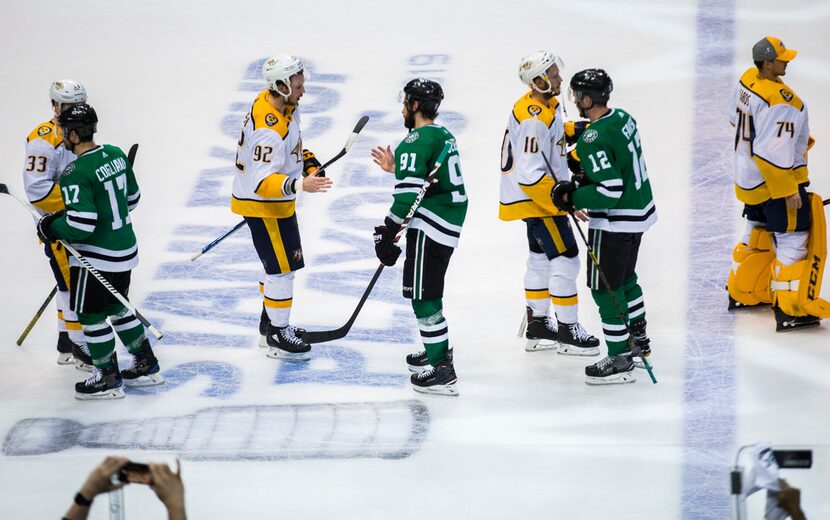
[536, 295]
[73, 325]
[564, 301]
[278, 304]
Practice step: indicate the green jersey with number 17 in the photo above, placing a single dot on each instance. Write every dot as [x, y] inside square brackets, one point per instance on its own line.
[618, 192]
[443, 208]
[99, 190]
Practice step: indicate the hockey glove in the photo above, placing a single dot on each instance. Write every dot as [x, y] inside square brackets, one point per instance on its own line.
[561, 195]
[385, 248]
[310, 163]
[573, 130]
[573, 162]
[43, 231]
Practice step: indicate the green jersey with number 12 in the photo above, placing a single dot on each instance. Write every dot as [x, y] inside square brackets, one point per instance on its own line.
[618, 193]
[443, 208]
[99, 190]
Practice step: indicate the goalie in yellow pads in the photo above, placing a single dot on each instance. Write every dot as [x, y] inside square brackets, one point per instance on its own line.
[781, 257]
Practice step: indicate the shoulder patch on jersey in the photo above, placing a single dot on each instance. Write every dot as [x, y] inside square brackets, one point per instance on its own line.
[786, 94]
[412, 137]
[43, 130]
[69, 169]
[590, 135]
[270, 119]
[528, 108]
[534, 110]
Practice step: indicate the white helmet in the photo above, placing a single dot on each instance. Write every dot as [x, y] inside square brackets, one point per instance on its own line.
[280, 69]
[67, 91]
[535, 66]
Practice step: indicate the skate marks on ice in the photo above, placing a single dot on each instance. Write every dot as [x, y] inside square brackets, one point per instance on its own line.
[386, 430]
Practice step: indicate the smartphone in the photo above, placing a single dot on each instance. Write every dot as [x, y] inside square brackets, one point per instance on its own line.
[135, 472]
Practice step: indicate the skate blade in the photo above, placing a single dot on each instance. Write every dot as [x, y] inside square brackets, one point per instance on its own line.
[538, 345]
[114, 393]
[148, 380]
[275, 353]
[65, 358]
[263, 342]
[83, 367]
[449, 390]
[415, 369]
[616, 379]
[571, 350]
[800, 326]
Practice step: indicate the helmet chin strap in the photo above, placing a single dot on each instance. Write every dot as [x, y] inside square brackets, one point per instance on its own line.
[548, 90]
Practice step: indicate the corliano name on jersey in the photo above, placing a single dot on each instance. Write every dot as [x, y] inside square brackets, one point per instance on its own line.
[113, 167]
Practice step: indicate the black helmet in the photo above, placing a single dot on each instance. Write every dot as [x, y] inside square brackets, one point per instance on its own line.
[81, 118]
[427, 92]
[594, 82]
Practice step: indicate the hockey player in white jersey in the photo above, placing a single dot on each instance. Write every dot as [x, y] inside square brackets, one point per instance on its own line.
[780, 259]
[536, 126]
[46, 158]
[272, 168]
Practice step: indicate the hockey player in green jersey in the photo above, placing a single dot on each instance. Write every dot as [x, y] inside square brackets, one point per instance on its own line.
[433, 232]
[99, 190]
[615, 189]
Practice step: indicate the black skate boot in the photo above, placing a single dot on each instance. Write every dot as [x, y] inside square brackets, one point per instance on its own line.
[418, 362]
[83, 360]
[541, 333]
[263, 329]
[439, 380]
[576, 341]
[284, 343]
[611, 370]
[145, 370]
[638, 333]
[784, 322]
[105, 383]
[65, 349]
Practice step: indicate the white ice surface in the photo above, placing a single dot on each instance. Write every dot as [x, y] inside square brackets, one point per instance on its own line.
[526, 438]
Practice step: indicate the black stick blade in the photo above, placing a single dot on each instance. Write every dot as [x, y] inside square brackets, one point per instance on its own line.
[131, 154]
[3, 188]
[360, 124]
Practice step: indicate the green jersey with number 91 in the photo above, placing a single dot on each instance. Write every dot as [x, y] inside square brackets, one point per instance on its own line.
[99, 190]
[443, 208]
[617, 193]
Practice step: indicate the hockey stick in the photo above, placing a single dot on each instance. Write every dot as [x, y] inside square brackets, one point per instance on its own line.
[36, 317]
[523, 325]
[321, 336]
[349, 142]
[131, 154]
[635, 348]
[85, 263]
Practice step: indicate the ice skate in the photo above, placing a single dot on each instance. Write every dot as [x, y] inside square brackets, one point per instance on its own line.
[611, 370]
[105, 383]
[440, 380]
[784, 322]
[83, 360]
[284, 343]
[576, 341]
[65, 349]
[263, 330]
[541, 333]
[145, 370]
[417, 362]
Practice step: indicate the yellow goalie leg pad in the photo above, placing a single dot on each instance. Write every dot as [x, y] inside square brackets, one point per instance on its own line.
[749, 279]
[797, 287]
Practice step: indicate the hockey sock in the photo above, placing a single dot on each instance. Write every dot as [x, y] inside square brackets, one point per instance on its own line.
[130, 331]
[613, 327]
[634, 296]
[278, 297]
[563, 273]
[100, 340]
[536, 283]
[68, 319]
[433, 328]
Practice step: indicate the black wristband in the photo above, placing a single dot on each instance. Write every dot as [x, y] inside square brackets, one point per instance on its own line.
[81, 500]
